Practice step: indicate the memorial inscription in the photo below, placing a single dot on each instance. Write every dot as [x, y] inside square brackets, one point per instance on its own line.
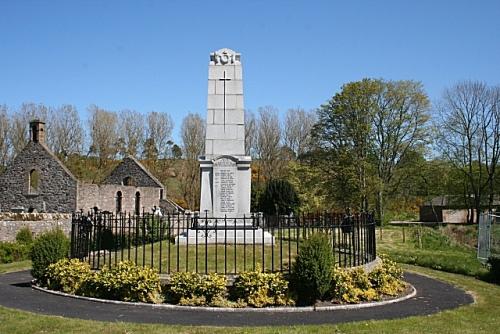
[225, 185]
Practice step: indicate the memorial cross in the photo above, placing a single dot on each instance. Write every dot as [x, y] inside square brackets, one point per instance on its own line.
[224, 79]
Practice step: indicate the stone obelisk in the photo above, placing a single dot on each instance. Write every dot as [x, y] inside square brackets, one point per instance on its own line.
[225, 169]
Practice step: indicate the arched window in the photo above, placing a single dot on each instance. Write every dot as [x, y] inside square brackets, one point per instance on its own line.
[119, 201]
[128, 181]
[34, 182]
[137, 203]
[161, 193]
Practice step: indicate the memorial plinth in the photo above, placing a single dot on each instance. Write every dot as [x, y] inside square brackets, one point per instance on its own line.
[225, 169]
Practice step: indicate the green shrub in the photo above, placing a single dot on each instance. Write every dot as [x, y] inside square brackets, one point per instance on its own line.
[196, 289]
[352, 286]
[279, 195]
[67, 275]
[48, 248]
[24, 236]
[126, 281]
[259, 289]
[312, 270]
[494, 263]
[13, 252]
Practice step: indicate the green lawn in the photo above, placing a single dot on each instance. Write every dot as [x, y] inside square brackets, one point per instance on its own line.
[15, 266]
[211, 258]
[433, 251]
[480, 317]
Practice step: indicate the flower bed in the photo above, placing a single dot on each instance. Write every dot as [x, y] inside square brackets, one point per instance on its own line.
[128, 282]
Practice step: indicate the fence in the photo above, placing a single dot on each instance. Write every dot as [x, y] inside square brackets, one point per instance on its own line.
[488, 240]
[105, 239]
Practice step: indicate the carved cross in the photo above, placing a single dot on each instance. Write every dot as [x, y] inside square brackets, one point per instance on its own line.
[224, 79]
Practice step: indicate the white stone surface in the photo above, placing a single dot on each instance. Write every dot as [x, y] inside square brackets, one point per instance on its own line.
[232, 147]
[217, 72]
[225, 140]
[229, 236]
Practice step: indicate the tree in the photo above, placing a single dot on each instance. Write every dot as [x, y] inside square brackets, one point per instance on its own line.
[193, 145]
[5, 146]
[268, 144]
[159, 132]
[279, 197]
[366, 130]
[250, 133]
[131, 129]
[297, 130]
[65, 135]
[19, 134]
[343, 136]
[469, 137]
[176, 152]
[400, 118]
[103, 129]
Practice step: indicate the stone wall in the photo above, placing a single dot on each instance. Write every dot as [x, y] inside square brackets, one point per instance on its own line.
[10, 225]
[57, 188]
[129, 167]
[105, 196]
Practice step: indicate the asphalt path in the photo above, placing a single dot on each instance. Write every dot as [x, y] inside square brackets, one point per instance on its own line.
[432, 296]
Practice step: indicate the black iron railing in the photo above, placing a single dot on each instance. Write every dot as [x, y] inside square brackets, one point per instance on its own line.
[188, 242]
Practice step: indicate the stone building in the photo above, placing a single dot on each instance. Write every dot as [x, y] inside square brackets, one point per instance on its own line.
[38, 181]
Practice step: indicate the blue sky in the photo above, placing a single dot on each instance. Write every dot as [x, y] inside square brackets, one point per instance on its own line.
[153, 55]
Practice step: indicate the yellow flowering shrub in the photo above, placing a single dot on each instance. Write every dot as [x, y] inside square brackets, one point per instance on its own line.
[67, 275]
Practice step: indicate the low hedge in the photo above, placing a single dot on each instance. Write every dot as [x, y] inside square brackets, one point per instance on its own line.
[259, 289]
[129, 282]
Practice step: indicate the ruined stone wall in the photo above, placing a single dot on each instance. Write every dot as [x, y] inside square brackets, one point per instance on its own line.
[88, 196]
[129, 168]
[57, 189]
[104, 197]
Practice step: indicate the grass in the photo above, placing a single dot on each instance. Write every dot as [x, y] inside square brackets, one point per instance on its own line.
[213, 258]
[222, 258]
[15, 266]
[432, 250]
[480, 317]
[428, 247]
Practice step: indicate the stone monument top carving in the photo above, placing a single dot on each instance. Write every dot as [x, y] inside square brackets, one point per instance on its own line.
[225, 56]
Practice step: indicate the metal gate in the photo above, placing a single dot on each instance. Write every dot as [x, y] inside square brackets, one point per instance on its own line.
[488, 239]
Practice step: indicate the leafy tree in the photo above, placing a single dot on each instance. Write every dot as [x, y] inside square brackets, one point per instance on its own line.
[365, 131]
[279, 197]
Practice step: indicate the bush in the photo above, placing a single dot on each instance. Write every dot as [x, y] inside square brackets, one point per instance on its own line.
[126, 281]
[260, 289]
[387, 277]
[279, 195]
[352, 286]
[312, 270]
[67, 275]
[196, 289]
[24, 236]
[355, 285]
[494, 263]
[13, 252]
[48, 248]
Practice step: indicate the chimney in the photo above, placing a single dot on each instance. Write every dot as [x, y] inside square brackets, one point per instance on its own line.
[37, 131]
